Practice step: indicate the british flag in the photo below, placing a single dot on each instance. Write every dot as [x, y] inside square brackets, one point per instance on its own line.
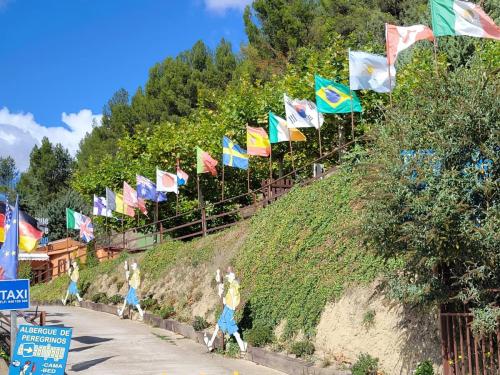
[86, 229]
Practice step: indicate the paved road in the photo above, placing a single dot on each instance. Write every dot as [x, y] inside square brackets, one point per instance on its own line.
[105, 345]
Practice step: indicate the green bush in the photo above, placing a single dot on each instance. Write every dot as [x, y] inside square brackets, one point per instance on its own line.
[24, 270]
[116, 299]
[424, 368]
[369, 318]
[302, 348]
[365, 365]
[199, 323]
[485, 320]
[166, 312]
[259, 335]
[100, 298]
[149, 303]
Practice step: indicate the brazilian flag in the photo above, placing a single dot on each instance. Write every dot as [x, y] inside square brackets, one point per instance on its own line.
[333, 97]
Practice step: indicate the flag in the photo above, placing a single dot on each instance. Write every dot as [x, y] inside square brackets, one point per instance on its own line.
[233, 155]
[121, 207]
[10, 249]
[333, 97]
[146, 190]
[182, 177]
[86, 229]
[399, 38]
[370, 72]
[100, 207]
[279, 131]
[166, 182]
[129, 195]
[205, 163]
[111, 199]
[456, 17]
[258, 142]
[141, 205]
[73, 219]
[302, 113]
[29, 235]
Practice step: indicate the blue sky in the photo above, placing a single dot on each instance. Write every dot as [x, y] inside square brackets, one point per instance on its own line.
[61, 60]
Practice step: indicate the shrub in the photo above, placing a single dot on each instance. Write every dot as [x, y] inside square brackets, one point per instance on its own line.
[116, 299]
[24, 271]
[424, 368]
[302, 348]
[200, 323]
[100, 298]
[365, 365]
[166, 312]
[485, 320]
[149, 303]
[259, 335]
[369, 318]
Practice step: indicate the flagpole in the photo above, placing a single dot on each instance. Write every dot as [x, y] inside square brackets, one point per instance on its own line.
[291, 155]
[319, 136]
[388, 65]
[222, 177]
[270, 170]
[436, 57]
[352, 118]
[198, 189]
[248, 175]
[178, 191]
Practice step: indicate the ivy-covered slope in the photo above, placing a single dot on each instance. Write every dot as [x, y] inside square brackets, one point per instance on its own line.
[292, 258]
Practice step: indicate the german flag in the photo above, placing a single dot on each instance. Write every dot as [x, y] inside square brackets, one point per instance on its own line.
[29, 235]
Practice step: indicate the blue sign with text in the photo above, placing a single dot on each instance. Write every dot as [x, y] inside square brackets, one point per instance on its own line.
[40, 350]
[15, 294]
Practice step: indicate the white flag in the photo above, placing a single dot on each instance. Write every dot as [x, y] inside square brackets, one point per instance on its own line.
[166, 182]
[302, 114]
[370, 72]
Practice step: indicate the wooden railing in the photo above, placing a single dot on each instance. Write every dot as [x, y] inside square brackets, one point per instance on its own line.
[463, 352]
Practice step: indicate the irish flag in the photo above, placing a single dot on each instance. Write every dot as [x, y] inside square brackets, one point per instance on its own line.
[456, 17]
[279, 131]
[74, 219]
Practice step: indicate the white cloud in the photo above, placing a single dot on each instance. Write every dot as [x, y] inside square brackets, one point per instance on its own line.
[220, 6]
[19, 132]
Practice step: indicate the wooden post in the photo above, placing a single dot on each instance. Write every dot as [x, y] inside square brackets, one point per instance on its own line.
[248, 175]
[319, 138]
[198, 189]
[203, 221]
[43, 318]
[270, 171]
[293, 161]
[352, 118]
[161, 232]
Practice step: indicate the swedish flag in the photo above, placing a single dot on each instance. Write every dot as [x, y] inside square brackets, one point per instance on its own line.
[234, 155]
[333, 97]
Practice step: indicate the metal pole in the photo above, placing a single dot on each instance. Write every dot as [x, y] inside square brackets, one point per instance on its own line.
[222, 178]
[198, 189]
[319, 138]
[270, 171]
[13, 332]
[352, 116]
[293, 161]
[248, 175]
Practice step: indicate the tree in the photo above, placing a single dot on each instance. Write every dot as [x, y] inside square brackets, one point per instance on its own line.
[49, 173]
[8, 172]
[437, 208]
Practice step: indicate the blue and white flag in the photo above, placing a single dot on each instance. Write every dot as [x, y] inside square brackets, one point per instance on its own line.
[146, 189]
[370, 72]
[101, 207]
[10, 249]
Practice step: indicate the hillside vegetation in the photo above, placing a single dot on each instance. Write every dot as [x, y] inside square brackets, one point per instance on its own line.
[292, 258]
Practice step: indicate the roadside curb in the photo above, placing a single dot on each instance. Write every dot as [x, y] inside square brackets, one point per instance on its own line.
[276, 361]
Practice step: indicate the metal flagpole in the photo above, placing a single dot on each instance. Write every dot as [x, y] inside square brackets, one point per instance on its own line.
[198, 189]
[248, 175]
[270, 170]
[388, 65]
[319, 135]
[178, 191]
[13, 313]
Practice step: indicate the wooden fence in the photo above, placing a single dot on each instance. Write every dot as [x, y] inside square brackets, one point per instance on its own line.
[463, 352]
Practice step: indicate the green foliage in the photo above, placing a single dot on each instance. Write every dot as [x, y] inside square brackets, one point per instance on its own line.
[307, 255]
[166, 312]
[424, 368]
[199, 323]
[365, 365]
[149, 303]
[115, 299]
[24, 270]
[8, 171]
[100, 298]
[369, 318]
[259, 335]
[439, 213]
[485, 321]
[302, 348]
[48, 173]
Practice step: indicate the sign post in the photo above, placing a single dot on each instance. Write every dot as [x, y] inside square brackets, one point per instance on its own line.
[41, 350]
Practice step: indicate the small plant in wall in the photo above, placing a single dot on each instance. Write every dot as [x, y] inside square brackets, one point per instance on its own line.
[369, 319]
[366, 365]
[424, 368]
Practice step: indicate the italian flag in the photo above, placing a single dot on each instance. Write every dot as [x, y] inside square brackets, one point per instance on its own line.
[73, 219]
[456, 17]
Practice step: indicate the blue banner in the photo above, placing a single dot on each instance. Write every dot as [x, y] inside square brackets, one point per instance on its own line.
[15, 294]
[40, 350]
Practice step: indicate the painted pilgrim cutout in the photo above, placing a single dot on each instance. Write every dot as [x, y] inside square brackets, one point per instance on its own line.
[231, 300]
[134, 282]
[74, 275]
